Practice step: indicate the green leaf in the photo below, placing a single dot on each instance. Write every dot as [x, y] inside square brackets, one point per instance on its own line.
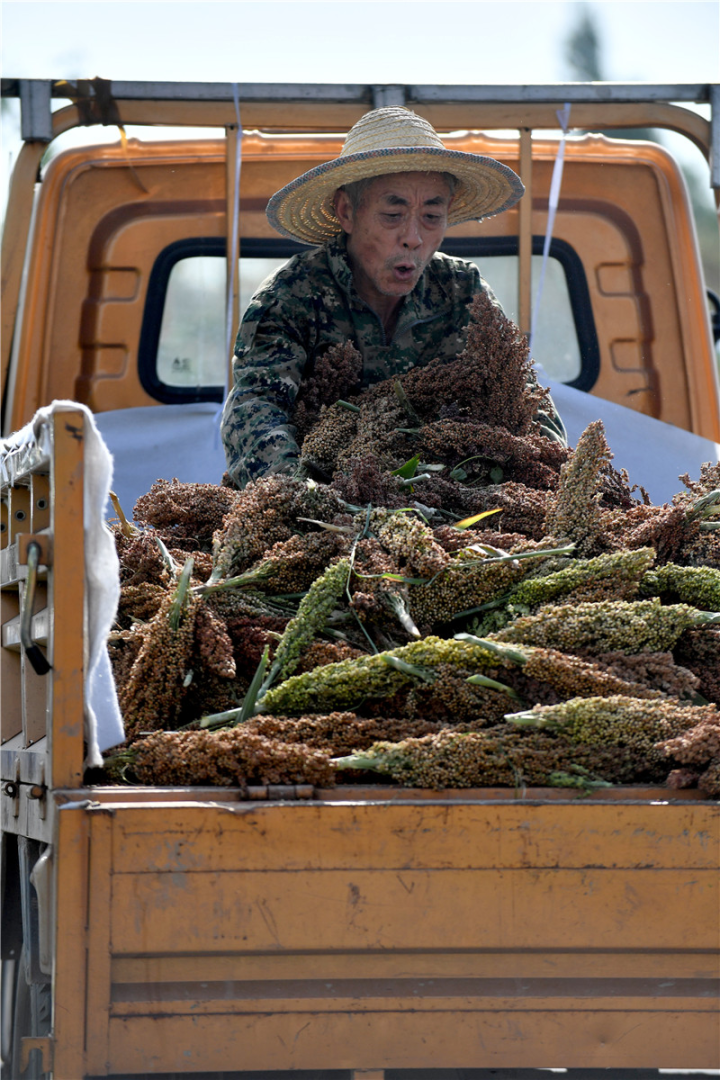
[458, 474]
[493, 684]
[466, 523]
[409, 485]
[398, 577]
[577, 778]
[389, 576]
[408, 470]
[171, 565]
[496, 475]
[406, 405]
[417, 672]
[507, 652]
[250, 702]
[357, 761]
[346, 529]
[180, 596]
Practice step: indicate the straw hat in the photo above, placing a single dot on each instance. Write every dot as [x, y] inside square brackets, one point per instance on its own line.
[391, 140]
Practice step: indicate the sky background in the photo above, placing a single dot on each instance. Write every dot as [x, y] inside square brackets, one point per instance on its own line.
[337, 41]
[443, 42]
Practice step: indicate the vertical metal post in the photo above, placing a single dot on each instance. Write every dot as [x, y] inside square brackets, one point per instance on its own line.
[715, 137]
[232, 235]
[525, 234]
[385, 96]
[36, 110]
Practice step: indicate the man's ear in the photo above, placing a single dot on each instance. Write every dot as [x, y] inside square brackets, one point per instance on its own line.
[344, 210]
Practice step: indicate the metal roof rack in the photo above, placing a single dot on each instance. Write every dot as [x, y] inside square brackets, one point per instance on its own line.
[291, 105]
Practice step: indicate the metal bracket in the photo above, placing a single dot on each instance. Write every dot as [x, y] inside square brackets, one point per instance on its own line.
[45, 1046]
[35, 111]
[44, 543]
[11, 788]
[384, 96]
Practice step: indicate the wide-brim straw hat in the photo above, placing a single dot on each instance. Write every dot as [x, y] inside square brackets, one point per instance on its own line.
[391, 140]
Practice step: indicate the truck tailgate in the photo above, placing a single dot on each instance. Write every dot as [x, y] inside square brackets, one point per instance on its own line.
[360, 932]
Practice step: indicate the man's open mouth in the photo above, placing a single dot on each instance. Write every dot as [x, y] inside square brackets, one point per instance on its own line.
[404, 271]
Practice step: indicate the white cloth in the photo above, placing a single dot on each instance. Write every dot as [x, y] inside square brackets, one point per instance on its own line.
[28, 448]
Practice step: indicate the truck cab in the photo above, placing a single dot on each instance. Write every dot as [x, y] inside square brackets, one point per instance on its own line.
[124, 291]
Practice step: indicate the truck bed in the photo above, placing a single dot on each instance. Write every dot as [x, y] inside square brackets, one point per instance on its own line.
[381, 928]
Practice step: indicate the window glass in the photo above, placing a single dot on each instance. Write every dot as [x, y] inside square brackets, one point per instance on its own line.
[555, 342]
[191, 348]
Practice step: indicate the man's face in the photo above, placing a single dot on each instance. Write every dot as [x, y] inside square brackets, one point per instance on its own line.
[394, 232]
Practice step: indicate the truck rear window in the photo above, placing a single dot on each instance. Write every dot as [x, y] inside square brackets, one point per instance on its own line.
[182, 347]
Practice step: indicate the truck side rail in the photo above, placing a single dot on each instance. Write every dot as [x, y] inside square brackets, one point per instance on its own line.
[42, 486]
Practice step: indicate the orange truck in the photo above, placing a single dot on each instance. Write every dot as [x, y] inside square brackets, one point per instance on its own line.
[364, 930]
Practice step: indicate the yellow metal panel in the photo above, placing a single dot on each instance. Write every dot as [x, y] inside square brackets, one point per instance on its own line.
[402, 835]
[407, 935]
[312, 116]
[583, 117]
[407, 909]
[416, 1040]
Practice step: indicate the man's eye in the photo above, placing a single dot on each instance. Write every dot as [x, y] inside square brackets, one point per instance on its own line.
[392, 217]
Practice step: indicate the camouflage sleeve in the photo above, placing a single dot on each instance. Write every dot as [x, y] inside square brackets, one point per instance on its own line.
[270, 357]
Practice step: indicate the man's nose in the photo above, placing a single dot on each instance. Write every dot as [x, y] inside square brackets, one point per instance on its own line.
[412, 237]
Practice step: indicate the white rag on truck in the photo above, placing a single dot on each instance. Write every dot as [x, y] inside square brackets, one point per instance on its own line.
[30, 448]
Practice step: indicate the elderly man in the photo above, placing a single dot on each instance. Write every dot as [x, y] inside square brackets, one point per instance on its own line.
[379, 212]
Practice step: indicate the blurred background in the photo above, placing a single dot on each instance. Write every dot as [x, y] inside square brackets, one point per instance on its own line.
[364, 42]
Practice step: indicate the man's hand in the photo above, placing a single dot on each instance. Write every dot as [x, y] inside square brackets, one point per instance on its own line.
[308, 470]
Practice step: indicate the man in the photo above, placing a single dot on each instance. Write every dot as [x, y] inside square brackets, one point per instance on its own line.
[380, 212]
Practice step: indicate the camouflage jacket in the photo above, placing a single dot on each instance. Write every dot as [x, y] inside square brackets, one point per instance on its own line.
[310, 304]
